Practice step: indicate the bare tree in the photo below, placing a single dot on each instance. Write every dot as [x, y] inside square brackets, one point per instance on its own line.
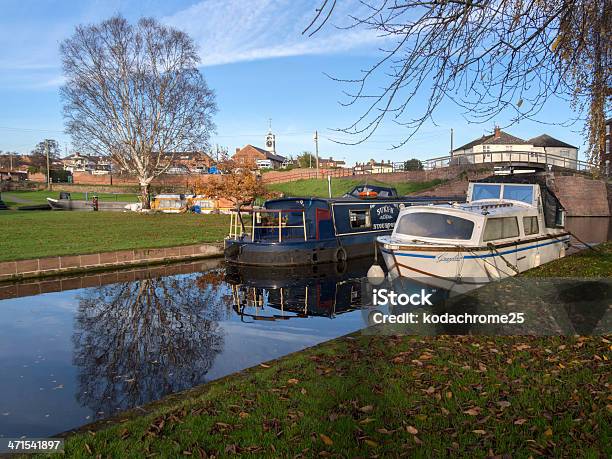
[488, 56]
[134, 93]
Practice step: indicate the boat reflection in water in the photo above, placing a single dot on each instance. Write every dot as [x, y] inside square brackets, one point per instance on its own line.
[325, 290]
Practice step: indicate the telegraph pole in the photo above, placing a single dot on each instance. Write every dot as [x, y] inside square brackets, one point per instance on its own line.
[451, 150]
[316, 139]
[48, 168]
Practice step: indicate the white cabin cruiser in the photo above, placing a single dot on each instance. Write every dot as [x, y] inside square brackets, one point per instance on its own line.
[503, 229]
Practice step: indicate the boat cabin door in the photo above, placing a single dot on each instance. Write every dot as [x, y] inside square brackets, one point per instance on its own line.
[323, 224]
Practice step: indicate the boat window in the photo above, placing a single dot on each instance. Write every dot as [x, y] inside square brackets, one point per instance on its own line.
[360, 219]
[531, 225]
[500, 228]
[434, 225]
[523, 193]
[484, 191]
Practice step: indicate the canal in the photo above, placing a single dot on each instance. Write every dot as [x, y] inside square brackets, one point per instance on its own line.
[77, 349]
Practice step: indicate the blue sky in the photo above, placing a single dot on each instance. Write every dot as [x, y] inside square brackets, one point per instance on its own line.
[255, 58]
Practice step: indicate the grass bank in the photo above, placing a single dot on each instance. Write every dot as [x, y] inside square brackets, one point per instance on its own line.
[41, 234]
[314, 187]
[587, 263]
[389, 396]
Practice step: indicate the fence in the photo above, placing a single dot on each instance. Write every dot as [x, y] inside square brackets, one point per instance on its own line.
[522, 158]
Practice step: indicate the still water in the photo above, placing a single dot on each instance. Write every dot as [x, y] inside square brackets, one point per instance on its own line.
[73, 356]
[75, 350]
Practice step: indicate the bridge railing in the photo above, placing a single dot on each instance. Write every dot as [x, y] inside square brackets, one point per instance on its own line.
[528, 158]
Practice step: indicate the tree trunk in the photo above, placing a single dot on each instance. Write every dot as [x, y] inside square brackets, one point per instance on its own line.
[145, 195]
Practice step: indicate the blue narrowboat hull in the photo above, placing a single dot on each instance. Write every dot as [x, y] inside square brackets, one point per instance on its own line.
[309, 231]
[301, 252]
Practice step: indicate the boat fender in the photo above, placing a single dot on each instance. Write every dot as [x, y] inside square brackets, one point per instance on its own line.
[340, 255]
[376, 275]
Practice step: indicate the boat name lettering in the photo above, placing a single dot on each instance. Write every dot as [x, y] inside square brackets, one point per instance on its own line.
[445, 258]
[385, 212]
[388, 225]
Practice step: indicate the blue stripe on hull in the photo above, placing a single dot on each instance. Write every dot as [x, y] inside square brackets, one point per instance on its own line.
[471, 257]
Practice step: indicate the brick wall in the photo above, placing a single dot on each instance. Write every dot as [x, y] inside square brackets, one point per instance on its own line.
[582, 197]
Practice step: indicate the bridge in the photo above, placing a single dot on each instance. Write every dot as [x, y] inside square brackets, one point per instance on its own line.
[511, 159]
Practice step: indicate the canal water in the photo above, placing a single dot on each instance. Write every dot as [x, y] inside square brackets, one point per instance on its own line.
[75, 350]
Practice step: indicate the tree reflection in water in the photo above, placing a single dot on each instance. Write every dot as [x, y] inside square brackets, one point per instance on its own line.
[137, 341]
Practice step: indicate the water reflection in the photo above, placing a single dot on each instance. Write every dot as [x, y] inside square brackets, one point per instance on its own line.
[137, 341]
[285, 293]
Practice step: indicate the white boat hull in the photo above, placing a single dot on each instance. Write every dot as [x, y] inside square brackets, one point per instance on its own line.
[463, 268]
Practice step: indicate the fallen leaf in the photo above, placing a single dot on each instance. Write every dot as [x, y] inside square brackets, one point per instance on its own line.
[325, 439]
[520, 422]
[479, 432]
[263, 365]
[473, 411]
[243, 415]
[371, 443]
[503, 403]
[367, 409]
[293, 381]
[412, 430]
[548, 432]
[366, 420]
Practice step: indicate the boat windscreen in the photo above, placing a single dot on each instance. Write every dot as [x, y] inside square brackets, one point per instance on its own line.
[485, 191]
[523, 193]
[435, 225]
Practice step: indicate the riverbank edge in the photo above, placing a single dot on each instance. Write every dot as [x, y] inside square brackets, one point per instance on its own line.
[173, 401]
[102, 261]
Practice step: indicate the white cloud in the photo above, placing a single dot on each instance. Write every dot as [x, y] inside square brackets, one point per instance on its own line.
[235, 30]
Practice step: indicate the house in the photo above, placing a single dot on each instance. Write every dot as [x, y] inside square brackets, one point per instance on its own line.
[189, 162]
[606, 153]
[78, 163]
[551, 146]
[7, 175]
[503, 147]
[331, 163]
[373, 167]
[266, 157]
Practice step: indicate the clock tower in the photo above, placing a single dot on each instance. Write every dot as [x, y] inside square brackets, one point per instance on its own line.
[271, 142]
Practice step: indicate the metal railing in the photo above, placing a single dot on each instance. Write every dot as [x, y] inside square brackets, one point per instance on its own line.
[240, 230]
[528, 158]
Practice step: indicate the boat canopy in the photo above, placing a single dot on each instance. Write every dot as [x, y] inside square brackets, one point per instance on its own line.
[554, 212]
[372, 190]
[433, 225]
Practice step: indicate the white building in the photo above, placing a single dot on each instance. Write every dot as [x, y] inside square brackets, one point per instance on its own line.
[503, 147]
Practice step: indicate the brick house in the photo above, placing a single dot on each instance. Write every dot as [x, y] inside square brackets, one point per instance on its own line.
[190, 162]
[331, 163]
[250, 154]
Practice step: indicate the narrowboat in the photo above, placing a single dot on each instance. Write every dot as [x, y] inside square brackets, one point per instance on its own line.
[308, 230]
[66, 203]
[169, 203]
[503, 229]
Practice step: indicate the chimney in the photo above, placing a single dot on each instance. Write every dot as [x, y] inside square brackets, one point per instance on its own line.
[237, 149]
[497, 132]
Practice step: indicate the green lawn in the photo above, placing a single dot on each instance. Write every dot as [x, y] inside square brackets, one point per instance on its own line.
[24, 198]
[366, 396]
[314, 187]
[33, 234]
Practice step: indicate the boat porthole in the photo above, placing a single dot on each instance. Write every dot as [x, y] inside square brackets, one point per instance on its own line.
[315, 257]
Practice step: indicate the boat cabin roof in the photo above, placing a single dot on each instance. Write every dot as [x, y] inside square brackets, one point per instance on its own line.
[381, 191]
